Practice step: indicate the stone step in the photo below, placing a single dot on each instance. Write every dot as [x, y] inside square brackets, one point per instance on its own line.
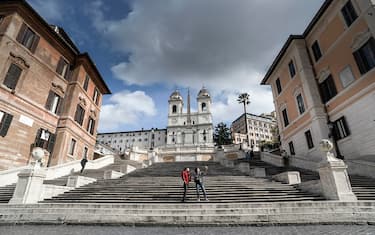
[191, 214]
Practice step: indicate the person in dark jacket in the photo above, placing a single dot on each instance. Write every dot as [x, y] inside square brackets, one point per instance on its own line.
[83, 163]
[185, 176]
[198, 179]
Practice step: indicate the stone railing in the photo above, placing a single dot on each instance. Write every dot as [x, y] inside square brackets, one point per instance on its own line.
[273, 159]
[11, 176]
[361, 167]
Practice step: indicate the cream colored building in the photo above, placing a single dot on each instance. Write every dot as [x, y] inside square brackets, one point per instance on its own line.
[323, 84]
[259, 129]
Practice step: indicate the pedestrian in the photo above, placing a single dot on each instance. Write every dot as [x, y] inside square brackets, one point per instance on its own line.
[198, 179]
[185, 176]
[83, 163]
[251, 154]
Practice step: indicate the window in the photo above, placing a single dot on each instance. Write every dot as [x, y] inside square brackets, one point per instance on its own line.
[349, 13]
[291, 148]
[12, 76]
[86, 83]
[310, 143]
[1, 18]
[91, 125]
[45, 139]
[5, 120]
[28, 38]
[85, 151]
[327, 89]
[204, 107]
[63, 68]
[53, 103]
[72, 147]
[301, 106]
[340, 129]
[95, 96]
[346, 76]
[79, 115]
[285, 117]
[292, 69]
[278, 85]
[174, 109]
[365, 56]
[316, 50]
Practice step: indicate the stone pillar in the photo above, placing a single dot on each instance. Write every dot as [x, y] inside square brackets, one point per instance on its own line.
[333, 176]
[29, 187]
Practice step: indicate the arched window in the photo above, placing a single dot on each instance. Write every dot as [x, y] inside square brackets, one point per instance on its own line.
[174, 109]
[204, 107]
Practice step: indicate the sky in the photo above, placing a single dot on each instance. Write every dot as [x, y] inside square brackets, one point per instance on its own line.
[145, 49]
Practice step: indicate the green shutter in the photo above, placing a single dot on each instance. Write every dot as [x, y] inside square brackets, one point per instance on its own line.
[6, 124]
[21, 33]
[49, 100]
[35, 43]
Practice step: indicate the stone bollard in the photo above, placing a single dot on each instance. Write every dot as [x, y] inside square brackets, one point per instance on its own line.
[29, 187]
[333, 176]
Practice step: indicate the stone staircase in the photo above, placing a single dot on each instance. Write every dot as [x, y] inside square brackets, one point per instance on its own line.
[6, 193]
[161, 183]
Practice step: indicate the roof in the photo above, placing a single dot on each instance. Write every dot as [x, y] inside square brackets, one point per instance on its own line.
[57, 33]
[308, 29]
[127, 132]
[254, 115]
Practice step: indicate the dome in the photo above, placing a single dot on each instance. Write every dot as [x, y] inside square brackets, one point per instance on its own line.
[203, 93]
[175, 96]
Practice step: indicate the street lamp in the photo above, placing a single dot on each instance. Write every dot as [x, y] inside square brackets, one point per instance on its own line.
[245, 99]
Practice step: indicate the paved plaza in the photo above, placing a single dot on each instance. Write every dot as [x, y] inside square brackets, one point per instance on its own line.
[112, 230]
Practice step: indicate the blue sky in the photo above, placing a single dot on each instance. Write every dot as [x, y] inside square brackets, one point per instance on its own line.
[145, 49]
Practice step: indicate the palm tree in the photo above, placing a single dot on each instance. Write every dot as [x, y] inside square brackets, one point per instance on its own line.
[245, 99]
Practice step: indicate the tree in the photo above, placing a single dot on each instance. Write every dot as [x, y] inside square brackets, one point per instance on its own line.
[245, 99]
[222, 135]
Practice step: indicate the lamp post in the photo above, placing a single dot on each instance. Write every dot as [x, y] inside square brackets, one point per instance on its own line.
[245, 99]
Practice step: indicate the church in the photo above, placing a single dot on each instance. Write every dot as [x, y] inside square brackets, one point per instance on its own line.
[188, 136]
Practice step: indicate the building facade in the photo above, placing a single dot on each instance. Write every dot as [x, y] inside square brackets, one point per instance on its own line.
[144, 139]
[323, 83]
[190, 129]
[260, 129]
[50, 93]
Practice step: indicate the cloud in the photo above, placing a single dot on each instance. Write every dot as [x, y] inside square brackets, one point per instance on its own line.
[224, 45]
[126, 107]
[51, 10]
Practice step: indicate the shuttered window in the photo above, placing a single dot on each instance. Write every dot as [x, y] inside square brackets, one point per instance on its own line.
[309, 140]
[365, 56]
[316, 50]
[72, 147]
[327, 89]
[63, 68]
[95, 96]
[285, 117]
[278, 86]
[79, 115]
[292, 69]
[45, 139]
[91, 126]
[291, 148]
[301, 105]
[86, 83]
[12, 76]
[349, 13]
[5, 121]
[28, 38]
[340, 128]
[54, 103]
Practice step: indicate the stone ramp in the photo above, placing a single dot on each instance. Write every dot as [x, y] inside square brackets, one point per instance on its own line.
[161, 183]
[218, 214]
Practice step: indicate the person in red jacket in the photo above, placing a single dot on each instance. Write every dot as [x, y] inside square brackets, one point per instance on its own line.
[185, 176]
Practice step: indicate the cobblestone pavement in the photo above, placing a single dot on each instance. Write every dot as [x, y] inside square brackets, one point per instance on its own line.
[114, 230]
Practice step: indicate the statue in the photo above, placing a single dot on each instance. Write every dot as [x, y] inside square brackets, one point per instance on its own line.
[326, 146]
